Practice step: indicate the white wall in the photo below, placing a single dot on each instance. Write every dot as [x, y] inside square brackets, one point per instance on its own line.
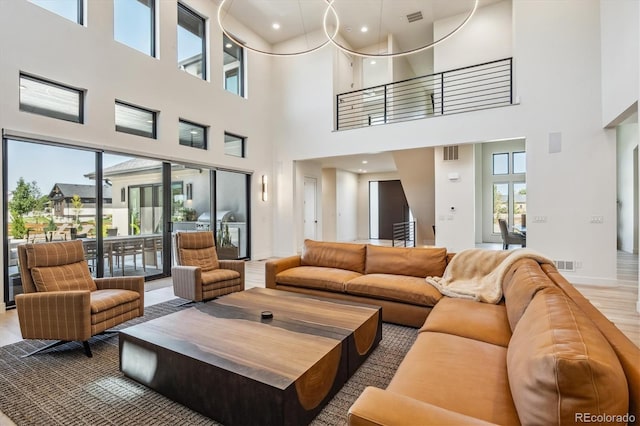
[346, 205]
[562, 187]
[627, 141]
[486, 37]
[38, 42]
[329, 206]
[455, 199]
[620, 59]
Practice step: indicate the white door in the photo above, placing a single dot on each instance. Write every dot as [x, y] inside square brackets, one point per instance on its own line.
[310, 217]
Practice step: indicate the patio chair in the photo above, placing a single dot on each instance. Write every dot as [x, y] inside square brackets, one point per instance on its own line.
[510, 237]
[199, 275]
[62, 302]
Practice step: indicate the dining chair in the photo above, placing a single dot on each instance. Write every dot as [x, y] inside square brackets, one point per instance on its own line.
[510, 237]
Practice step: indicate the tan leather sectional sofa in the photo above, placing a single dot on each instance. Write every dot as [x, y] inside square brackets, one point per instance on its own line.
[542, 356]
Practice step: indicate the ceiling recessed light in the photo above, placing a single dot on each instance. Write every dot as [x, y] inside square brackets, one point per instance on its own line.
[364, 29]
[364, 162]
[228, 45]
[275, 26]
[364, 171]
[373, 62]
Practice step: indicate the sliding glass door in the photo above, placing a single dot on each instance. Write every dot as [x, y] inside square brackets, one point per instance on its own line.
[232, 214]
[48, 197]
[134, 226]
[121, 207]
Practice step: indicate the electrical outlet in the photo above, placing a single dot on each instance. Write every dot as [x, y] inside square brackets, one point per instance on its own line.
[539, 219]
[597, 219]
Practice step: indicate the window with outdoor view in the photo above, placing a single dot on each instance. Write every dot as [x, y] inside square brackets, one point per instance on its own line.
[191, 42]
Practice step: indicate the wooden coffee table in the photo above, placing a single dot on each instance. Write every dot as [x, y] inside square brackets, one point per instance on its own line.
[224, 360]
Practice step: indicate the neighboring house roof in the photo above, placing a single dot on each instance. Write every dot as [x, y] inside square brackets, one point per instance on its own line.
[68, 190]
[135, 165]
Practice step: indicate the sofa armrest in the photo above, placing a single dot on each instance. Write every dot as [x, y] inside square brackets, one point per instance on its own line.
[187, 282]
[380, 407]
[234, 265]
[275, 266]
[123, 283]
[55, 315]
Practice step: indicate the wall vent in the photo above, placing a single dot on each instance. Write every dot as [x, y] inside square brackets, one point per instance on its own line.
[450, 152]
[565, 265]
[415, 16]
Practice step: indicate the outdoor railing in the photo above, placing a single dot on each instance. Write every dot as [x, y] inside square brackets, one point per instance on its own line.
[404, 234]
[466, 89]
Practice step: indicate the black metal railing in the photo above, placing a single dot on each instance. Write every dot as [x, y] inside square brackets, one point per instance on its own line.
[404, 234]
[465, 89]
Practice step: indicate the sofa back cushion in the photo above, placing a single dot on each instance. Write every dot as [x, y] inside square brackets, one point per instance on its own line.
[73, 276]
[414, 261]
[347, 256]
[560, 366]
[520, 285]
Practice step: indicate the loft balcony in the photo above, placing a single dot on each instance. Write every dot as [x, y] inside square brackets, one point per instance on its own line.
[472, 88]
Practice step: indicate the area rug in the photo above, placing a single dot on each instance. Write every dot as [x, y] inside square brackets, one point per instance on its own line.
[64, 387]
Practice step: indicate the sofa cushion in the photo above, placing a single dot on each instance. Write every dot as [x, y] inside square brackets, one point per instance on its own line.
[321, 278]
[560, 364]
[73, 276]
[459, 374]
[467, 318]
[397, 288]
[347, 256]
[414, 261]
[520, 285]
[205, 258]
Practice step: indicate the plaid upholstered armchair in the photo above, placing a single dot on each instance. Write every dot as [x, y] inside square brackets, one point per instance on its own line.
[199, 275]
[63, 302]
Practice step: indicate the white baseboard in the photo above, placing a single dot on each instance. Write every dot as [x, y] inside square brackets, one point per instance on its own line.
[638, 306]
[573, 279]
[3, 308]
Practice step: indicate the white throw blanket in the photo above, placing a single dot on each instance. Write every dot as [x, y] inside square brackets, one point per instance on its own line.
[477, 274]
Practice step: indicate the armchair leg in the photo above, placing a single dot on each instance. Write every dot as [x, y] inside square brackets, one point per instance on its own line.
[44, 348]
[85, 344]
[87, 349]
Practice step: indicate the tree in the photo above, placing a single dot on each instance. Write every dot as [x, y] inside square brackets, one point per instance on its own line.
[76, 202]
[24, 200]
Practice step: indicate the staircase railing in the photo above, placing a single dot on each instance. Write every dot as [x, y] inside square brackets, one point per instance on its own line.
[465, 89]
[404, 234]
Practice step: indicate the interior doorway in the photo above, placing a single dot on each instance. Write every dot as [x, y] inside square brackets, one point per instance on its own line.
[387, 205]
[627, 191]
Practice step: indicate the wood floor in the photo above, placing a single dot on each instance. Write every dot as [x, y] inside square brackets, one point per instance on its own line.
[618, 302]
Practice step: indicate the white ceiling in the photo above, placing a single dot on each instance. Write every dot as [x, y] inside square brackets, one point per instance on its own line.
[382, 17]
[375, 163]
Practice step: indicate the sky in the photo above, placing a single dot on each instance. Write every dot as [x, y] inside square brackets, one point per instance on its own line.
[48, 164]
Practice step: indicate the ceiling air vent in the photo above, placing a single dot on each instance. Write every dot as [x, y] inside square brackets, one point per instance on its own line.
[415, 16]
[450, 152]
